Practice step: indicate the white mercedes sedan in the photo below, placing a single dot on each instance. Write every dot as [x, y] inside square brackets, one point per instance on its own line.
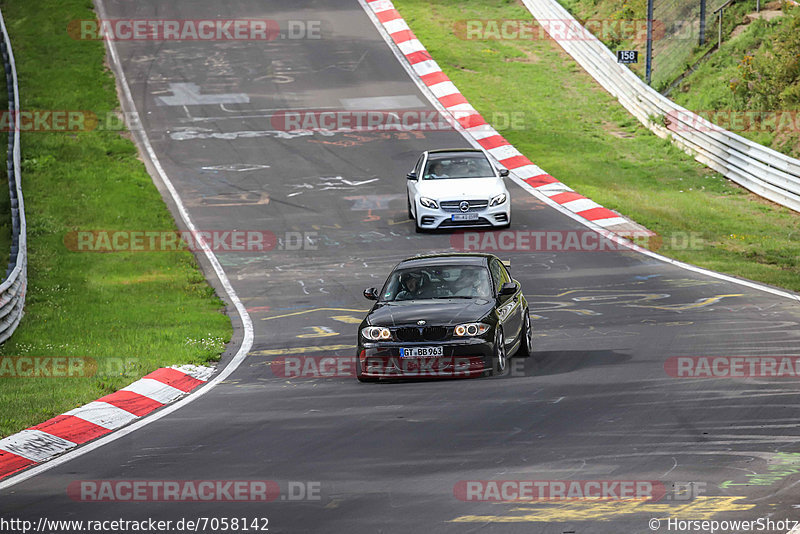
[457, 188]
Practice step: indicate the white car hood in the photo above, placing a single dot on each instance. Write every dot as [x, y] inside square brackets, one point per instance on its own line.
[461, 188]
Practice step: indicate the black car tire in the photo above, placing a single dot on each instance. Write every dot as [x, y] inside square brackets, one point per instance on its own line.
[360, 376]
[526, 345]
[417, 227]
[500, 357]
[408, 201]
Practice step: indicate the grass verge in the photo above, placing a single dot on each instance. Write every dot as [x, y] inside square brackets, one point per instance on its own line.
[129, 312]
[580, 134]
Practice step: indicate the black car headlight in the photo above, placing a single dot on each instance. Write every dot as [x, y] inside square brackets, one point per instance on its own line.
[376, 333]
[470, 329]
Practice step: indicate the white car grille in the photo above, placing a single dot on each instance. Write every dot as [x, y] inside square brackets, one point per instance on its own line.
[454, 206]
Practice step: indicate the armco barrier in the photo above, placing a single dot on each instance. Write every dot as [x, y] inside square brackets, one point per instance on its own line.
[12, 289]
[762, 170]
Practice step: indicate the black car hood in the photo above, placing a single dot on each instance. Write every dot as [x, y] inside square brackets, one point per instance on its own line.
[432, 311]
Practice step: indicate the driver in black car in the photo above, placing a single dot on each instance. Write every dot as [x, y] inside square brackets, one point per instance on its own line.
[412, 286]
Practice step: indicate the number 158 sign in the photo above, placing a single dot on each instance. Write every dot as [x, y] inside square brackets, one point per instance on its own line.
[627, 56]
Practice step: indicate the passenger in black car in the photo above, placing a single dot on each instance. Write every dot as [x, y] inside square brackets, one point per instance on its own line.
[471, 284]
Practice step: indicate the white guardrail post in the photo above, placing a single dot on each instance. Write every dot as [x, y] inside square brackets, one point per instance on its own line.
[763, 171]
[13, 287]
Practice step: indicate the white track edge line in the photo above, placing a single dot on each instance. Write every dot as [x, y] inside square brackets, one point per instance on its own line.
[247, 324]
[526, 186]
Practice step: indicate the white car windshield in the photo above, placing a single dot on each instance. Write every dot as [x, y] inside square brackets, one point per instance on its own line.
[438, 282]
[461, 166]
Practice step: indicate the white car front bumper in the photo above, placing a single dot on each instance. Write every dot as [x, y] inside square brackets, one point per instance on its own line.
[480, 216]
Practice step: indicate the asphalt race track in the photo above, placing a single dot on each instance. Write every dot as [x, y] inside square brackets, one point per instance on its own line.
[594, 403]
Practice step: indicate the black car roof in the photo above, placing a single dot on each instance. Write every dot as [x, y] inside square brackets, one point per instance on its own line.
[446, 259]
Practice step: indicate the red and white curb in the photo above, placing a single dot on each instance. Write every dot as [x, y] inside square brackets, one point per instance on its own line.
[487, 137]
[75, 427]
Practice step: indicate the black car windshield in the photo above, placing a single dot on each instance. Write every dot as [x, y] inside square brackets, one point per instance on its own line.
[470, 165]
[437, 282]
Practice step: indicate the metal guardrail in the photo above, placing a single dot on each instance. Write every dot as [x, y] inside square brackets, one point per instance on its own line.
[763, 171]
[13, 287]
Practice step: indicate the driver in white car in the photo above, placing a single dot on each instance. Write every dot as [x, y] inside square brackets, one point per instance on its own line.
[437, 171]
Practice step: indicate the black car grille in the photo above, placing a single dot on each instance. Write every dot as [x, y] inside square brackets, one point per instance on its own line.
[453, 206]
[427, 333]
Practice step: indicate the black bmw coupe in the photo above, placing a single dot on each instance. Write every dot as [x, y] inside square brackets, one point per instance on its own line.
[444, 315]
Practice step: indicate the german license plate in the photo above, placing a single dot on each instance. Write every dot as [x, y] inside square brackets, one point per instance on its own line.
[464, 217]
[421, 352]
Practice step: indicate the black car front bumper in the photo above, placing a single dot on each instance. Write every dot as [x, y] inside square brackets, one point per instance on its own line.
[461, 358]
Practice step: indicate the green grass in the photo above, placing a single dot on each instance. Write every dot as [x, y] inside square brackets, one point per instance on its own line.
[578, 133]
[131, 312]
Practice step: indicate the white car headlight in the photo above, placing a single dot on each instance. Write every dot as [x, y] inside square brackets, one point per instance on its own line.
[499, 199]
[470, 329]
[376, 333]
[429, 203]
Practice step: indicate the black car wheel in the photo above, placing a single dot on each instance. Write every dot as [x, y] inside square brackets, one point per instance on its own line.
[500, 359]
[526, 349]
[408, 201]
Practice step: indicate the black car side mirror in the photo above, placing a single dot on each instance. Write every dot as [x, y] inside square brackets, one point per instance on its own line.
[503, 173]
[509, 288]
[411, 176]
[371, 293]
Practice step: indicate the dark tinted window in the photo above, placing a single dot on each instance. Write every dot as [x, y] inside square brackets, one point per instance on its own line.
[454, 165]
[431, 282]
[499, 274]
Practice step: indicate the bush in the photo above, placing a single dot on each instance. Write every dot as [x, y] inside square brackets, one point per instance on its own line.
[770, 79]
